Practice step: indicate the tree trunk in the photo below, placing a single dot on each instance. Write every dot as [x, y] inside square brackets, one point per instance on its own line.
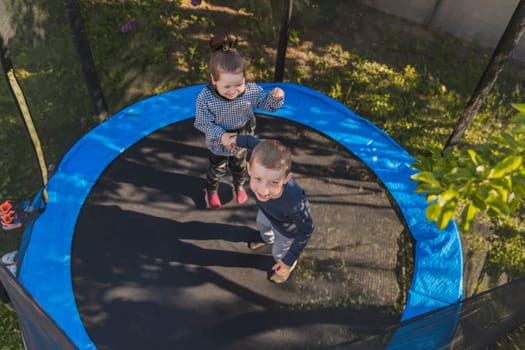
[500, 56]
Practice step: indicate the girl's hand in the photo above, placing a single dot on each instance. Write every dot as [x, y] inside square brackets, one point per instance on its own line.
[229, 140]
[277, 93]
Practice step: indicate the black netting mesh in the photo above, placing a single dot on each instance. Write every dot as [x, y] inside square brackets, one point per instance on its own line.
[479, 322]
[39, 331]
[38, 40]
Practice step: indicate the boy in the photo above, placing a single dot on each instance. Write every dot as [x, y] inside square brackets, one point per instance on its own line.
[283, 218]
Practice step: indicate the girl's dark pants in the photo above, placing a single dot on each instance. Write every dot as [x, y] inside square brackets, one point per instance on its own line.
[219, 166]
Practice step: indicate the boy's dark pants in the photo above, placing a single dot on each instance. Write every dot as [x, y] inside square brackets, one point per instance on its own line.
[219, 166]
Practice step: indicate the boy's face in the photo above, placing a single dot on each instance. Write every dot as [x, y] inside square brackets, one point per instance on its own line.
[266, 183]
[230, 85]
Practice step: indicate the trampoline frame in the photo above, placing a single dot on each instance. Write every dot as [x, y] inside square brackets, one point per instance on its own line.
[45, 253]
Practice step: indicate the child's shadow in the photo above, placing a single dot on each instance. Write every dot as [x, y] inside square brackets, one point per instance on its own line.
[192, 242]
[195, 188]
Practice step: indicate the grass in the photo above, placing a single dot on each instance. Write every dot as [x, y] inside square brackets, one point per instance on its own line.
[411, 83]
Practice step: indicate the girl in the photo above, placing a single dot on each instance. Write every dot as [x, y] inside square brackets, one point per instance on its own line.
[227, 104]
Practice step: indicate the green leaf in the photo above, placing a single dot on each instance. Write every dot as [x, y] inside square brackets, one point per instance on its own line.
[520, 129]
[519, 189]
[446, 196]
[478, 201]
[508, 139]
[520, 107]
[467, 216]
[483, 154]
[432, 198]
[428, 189]
[459, 174]
[447, 214]
[505, 166]
[423, 164]
[474, 157]
[433, 211]
[425, 177]
[515, 203]
[497, 204]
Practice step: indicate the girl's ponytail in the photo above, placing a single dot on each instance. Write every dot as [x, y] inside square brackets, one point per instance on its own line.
[224, 43]
[225, 57]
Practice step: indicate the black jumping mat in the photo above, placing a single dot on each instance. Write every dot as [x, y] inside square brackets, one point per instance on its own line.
[153, 268]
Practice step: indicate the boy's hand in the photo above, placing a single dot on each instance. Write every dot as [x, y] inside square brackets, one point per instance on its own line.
[281, 268]
[277, 93]
[229, 140]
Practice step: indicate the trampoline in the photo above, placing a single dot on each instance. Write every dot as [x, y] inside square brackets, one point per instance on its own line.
[127, 256]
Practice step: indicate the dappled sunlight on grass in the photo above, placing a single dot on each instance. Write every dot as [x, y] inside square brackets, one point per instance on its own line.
[405, 103]
[215, 8]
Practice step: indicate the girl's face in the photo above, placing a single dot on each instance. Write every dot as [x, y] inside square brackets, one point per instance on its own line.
[266, 183]
[230, 85]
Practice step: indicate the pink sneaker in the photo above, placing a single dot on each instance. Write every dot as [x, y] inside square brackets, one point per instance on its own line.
[242, 196]
[6, 207]
[214, 201]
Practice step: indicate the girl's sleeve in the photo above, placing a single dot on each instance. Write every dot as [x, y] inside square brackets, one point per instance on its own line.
[267, 102]
[205, 121]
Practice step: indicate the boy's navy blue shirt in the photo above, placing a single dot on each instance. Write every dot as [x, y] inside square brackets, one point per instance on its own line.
[289, 214]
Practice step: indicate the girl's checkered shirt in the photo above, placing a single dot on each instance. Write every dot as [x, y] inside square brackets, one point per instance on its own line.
[215, 115]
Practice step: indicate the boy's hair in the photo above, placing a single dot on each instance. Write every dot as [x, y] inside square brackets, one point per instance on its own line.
[272, 154]
[225, 57]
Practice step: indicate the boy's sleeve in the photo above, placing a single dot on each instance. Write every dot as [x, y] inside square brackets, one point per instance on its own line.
[205, 121]
[247, 141]
[305, 227]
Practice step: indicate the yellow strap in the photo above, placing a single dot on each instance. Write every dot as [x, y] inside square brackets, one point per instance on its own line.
[26, 115]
